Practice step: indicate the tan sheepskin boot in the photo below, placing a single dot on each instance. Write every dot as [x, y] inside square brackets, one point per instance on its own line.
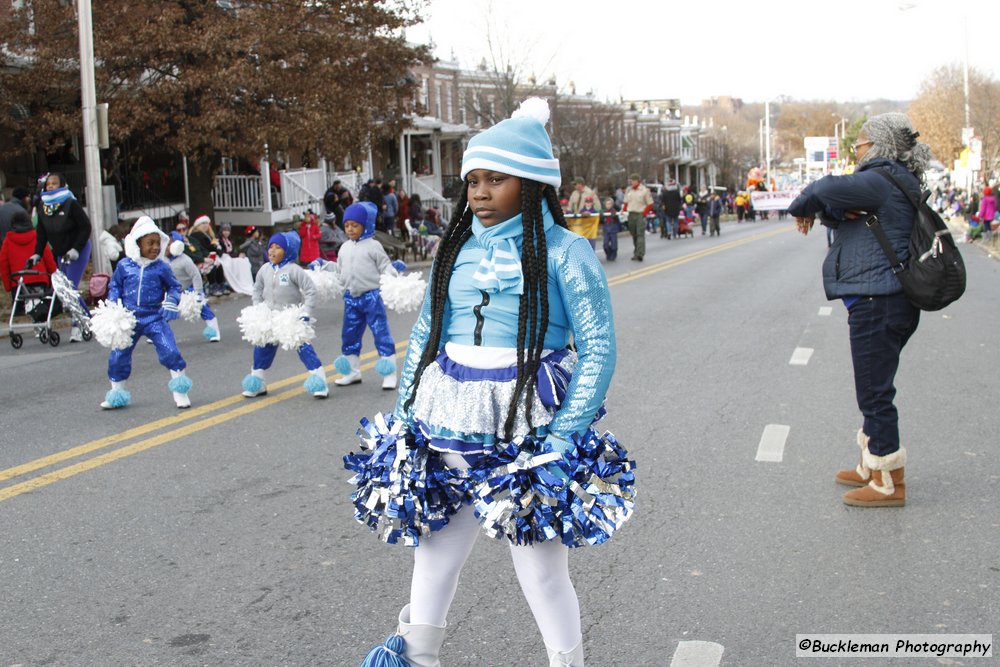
[886, 488]
[860, 475]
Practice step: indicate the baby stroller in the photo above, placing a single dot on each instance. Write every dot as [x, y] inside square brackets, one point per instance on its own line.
[34, 300]
[683, 226]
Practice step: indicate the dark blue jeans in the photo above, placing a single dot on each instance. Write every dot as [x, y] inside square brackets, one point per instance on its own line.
[880, 327]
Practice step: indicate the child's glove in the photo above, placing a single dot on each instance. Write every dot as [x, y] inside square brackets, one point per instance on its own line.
[71, 255]
[34, 259]
[399, 265]
[169, 311]
[317, 263]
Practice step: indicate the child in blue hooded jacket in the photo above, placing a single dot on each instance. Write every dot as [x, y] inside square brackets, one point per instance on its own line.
[361, 262]
[282, 283]
[144, 283]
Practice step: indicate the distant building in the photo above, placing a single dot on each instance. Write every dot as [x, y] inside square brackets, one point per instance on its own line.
[724, 103]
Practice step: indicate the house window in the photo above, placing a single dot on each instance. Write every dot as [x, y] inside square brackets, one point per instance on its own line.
[448, 106]
[425, 94]
[437, 100]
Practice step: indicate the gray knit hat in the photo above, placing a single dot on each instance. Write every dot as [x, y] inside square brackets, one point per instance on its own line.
[893, 138]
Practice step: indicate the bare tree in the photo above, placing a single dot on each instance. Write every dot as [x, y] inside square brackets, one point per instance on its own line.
[213, 79]
[938, 113]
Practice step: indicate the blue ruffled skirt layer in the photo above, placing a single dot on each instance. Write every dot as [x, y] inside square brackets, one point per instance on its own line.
[520, 490]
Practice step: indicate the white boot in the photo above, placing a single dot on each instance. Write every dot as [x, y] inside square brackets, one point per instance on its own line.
[423, 642]
[255, 384]
[420, 645]
[75, 336]
[354, 375]
[388, 379]
[212, 331]
[180, 385]
[316, 383]
[117, 396]
[572, 658]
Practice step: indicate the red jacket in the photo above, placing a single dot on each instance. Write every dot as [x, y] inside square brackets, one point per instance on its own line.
[310, 232]
[17, 248]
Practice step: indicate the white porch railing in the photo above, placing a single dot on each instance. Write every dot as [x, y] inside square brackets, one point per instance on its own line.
[430, 197]
[236, 192]
[301, 190]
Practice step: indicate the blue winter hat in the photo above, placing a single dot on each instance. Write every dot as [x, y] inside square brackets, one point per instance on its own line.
[287, 241]
[365, 213]
[518, 146]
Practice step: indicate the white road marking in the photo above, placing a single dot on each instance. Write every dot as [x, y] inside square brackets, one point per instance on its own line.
[801, 355]
[697, 654]
[771, 448]
[825, 311]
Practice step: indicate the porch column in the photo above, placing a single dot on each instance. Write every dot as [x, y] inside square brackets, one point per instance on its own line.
[436, 161]
[265, 184]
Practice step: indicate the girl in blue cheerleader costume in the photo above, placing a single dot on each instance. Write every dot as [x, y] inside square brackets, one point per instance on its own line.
[144, 284]
[495, 408]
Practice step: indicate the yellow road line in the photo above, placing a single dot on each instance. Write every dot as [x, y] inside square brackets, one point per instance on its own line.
[257, 404]
[192, 413]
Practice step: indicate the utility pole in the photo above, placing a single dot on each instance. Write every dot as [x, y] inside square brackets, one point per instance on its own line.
[91, 154]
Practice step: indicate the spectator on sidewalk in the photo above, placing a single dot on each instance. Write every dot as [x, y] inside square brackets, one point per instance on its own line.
[65, 226]
[310, 234]
[578, 198]
[253, 249]
[987, 210]
[20, 200]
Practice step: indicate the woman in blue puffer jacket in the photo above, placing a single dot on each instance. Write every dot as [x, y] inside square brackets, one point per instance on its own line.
[856, 270]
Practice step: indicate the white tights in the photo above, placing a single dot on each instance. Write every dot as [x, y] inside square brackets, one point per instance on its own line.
[542, 570]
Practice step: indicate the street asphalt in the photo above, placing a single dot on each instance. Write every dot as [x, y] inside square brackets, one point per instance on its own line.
[223, 535]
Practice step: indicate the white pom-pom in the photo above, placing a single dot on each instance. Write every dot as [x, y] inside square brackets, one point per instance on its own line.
[404, 292]
[290, 330]
[112, 325]
[255, 325]
[190, 306]
[328, 285]
[533, 107]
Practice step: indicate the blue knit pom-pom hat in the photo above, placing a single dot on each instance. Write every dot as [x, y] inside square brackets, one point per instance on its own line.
[518, 146]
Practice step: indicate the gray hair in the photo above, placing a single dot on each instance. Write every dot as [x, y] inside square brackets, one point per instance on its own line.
[893, 138]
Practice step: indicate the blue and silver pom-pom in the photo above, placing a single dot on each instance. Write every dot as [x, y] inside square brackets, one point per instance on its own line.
[403, 491]
[528, 494]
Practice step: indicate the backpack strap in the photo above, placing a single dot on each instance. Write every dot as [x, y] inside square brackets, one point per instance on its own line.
[909, 195]
[874, 225]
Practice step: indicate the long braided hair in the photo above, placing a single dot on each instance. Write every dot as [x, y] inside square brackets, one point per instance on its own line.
[533, 309]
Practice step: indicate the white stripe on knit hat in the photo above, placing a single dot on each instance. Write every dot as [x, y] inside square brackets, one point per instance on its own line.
[545, 163]
[553, 177]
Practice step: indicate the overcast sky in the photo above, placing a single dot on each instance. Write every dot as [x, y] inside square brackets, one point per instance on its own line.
[841, 50]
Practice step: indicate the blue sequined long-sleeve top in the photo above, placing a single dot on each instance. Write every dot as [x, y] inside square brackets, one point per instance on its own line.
[579, 305]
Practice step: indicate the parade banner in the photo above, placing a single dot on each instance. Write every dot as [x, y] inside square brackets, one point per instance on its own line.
[778, 200]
